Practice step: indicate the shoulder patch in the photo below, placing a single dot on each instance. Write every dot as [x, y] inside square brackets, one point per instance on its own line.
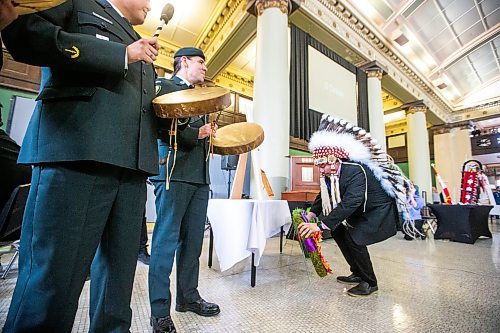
[74, 52]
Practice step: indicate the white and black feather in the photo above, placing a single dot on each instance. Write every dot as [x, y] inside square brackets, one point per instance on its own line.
[362, 148]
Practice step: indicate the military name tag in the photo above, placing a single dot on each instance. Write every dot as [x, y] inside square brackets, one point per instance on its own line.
[102, 37]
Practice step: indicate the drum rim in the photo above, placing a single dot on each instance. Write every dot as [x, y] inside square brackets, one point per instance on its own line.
[240, 149]
[196, 94]
[192, 108]
[24, 6]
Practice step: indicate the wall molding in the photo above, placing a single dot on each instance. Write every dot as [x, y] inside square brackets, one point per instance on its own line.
[235, 82]
[222, 26]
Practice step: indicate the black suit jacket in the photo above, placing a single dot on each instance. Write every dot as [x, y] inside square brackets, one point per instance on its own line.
[190, 164]
[89, 108]
[371, 213]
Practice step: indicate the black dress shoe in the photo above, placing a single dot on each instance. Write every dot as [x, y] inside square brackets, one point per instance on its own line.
[351, 279]
[200, 307]
[362, 289]
[163, 325]
[144, 257]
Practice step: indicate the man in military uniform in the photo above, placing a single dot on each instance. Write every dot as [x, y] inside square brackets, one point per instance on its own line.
[91, 141]
[181, 209]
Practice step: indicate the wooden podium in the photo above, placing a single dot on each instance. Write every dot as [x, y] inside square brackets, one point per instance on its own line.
[300, 196]
[299, 199]
[304, 182]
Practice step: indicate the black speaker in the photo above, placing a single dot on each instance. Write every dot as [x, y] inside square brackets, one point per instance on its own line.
[229, 162]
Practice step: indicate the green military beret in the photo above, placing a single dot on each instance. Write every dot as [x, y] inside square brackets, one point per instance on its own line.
[189, 52]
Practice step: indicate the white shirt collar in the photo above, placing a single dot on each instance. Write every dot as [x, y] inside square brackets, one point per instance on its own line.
[184, 80]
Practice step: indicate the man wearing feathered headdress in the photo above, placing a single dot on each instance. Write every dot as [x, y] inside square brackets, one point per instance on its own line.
[359, 189]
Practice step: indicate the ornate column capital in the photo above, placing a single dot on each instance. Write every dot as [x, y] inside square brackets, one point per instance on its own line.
[447, 128]
[284, 5]
[414, 107]
[374, 69]
[441, 130]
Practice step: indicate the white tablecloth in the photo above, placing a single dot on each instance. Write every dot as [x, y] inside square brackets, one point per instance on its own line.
[241, 227]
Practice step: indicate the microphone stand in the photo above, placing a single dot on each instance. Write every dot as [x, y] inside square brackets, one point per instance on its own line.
[229, 183]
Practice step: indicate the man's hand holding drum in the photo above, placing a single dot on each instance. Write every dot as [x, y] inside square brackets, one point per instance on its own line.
[206, 130]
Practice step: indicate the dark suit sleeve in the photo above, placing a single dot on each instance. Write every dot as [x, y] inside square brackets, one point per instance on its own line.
[352, 198]
[188, 137]
[41, 40]
[317, 206]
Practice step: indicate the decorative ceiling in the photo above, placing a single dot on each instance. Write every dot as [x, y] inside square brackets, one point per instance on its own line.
[209, 27]
[454, 44]
[186, 26]
[245, 62]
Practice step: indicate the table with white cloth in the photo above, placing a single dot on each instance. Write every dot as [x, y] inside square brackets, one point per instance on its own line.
[240, 228]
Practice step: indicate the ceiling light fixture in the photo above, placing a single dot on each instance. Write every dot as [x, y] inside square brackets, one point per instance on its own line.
[401, 39]
[439, 82]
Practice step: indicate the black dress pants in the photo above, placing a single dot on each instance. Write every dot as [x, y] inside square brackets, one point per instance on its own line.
[357, 256]
[78, 213]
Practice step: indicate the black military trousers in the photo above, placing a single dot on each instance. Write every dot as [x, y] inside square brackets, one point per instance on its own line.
[78, 213]
[181, 213]
[357, 256]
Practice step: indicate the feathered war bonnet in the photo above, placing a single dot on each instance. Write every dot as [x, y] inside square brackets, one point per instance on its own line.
[339, 139]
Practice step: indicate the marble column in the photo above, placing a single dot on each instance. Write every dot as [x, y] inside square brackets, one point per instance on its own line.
[271, 104]
[160, 71]
[452, 148]
[375, 71]
[418, 147]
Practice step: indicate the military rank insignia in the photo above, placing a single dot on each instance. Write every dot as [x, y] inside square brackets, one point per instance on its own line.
[73, 52]
[158, 88]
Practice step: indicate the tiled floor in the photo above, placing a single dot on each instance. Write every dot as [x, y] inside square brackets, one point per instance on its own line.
[425, 286]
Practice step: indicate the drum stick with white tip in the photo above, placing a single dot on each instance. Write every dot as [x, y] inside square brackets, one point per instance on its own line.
[166, 15]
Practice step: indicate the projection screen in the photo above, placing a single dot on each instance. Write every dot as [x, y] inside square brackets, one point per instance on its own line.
[332, 88]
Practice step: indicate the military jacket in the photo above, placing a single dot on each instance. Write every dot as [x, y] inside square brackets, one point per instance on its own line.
[190, 163]
[90, 107]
